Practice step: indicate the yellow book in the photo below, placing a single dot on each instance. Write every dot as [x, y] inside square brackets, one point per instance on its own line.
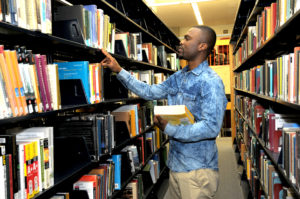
[35, 85]
[157, 137]
[175, 114]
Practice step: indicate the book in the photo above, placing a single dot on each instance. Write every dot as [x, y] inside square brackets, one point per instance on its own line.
[76, 70]
[175, 114]
[117, 161]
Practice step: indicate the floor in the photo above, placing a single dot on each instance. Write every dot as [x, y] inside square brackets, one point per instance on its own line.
[231, 186]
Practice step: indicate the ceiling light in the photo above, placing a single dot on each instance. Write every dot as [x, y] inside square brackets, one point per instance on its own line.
[197, 13]
[152, 4]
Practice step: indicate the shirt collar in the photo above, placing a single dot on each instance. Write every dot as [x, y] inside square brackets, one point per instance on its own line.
[198, 70]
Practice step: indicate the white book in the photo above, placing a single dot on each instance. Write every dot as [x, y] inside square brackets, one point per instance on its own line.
[100, 16]
[54, 86]
[22, 192]
[31, 15]
[45, 133]
[85, 185]
[48, 15]
[2, 179]
[22, 22]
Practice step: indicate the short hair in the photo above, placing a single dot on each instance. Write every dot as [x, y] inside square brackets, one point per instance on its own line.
[210, 36]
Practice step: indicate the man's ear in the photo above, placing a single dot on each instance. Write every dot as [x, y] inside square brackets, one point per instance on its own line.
[202, 47]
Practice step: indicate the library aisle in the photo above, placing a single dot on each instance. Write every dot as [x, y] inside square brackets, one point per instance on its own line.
[231, 186]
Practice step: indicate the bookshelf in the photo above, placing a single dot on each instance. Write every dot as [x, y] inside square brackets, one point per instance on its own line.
[283, 41]
[132, 16]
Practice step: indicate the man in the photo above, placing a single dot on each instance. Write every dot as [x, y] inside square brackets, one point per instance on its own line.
[193, 155]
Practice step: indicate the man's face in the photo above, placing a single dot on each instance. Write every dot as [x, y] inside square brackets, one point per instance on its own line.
[189, 46]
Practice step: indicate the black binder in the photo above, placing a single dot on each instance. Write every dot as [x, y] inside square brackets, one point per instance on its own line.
[72, 92]
[68, 29]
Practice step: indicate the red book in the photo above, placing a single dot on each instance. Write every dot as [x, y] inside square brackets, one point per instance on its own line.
[41, 82]
[94, 179]
[10, 176]
[273, 17]
[141, 152]
[263, 26]
[46, 80]
[258, 114]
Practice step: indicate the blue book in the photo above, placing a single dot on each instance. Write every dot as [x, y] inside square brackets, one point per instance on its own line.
[13, 12]
[76, 70]
[93, 11]
[117, 160]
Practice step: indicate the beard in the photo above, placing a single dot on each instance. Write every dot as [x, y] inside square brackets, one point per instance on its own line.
[180, 53]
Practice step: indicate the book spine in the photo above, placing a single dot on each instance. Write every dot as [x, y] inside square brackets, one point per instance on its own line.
[13, 82]
[16, 71]
[46, 80]
[34, 81]
[41, 82]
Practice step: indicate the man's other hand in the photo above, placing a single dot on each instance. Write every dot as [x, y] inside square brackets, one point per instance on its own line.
[160, 123]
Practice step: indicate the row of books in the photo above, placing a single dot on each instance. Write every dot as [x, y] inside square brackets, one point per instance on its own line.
[263, 178]
[103, 181]
[30, 14]
[94, 26]
[104, 132]
[27, 162]
[28, 83]
[278, 133]
[130, 45]
[148, 77]
[277, 78]
[99, 32]
[268, 22]
[101, 132]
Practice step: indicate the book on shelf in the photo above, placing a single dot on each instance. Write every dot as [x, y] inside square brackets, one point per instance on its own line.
[76, 70]
[175, 114]
[117, 161]
[133, 111]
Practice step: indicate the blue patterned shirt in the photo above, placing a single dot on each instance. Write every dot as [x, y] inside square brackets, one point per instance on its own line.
[202, 91]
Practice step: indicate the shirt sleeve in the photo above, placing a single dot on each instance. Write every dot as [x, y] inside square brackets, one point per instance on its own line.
[142, 89]
[208, 127]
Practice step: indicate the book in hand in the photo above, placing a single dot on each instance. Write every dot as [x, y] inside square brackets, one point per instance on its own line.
[175, 114]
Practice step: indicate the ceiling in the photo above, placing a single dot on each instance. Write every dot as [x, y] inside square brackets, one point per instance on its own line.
[213, 12]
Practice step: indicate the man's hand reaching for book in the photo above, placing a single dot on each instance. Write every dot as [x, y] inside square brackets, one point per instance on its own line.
[160, 123]
[110, 62]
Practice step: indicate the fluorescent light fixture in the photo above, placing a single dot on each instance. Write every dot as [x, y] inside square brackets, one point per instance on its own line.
[152, 4]
[65, 2]
[197, 13]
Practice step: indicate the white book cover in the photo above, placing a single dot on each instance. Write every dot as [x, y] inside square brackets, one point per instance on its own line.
[85, 185]
[22, 22]
[45, 133]
[2, 179]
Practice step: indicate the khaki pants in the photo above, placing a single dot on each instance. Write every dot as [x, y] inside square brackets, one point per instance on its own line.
[197, 184]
